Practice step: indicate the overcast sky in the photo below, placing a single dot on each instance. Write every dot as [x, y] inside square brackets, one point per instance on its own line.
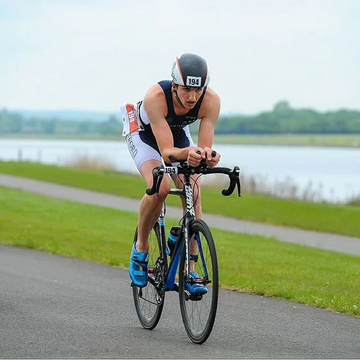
[98, 54]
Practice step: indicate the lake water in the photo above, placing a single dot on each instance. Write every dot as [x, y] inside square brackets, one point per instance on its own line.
[331, 174]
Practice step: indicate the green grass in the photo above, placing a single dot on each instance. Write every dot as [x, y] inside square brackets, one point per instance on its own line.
[247, 263]
[339, 219]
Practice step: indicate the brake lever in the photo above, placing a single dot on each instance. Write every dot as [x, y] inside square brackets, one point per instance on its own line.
[234, 181]
[157, 177]
[231, 188]
[158, 182]
[238, 180]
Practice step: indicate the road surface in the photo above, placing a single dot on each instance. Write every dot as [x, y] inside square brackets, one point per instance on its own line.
[57, 307]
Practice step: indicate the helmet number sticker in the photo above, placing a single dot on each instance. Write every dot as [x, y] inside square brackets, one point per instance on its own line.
[193, 81]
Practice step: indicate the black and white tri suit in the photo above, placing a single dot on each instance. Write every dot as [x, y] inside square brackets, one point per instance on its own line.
[142, 143]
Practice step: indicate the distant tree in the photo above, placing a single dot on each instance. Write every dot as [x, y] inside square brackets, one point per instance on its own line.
[282, 106]
[49, 127]
[111, 127]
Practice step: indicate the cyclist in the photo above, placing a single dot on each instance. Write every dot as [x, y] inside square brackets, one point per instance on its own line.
[157, 132]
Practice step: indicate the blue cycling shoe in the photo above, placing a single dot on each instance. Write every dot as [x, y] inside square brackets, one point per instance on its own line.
[138, 271]
[197, 287]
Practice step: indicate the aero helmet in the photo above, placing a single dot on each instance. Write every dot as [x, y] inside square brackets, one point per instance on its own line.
[190, 70]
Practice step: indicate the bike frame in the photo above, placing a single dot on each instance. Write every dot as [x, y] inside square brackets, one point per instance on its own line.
[187, 194]
[169, 272]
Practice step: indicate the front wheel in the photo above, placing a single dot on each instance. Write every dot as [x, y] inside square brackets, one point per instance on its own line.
[198, 311]
[149, 300]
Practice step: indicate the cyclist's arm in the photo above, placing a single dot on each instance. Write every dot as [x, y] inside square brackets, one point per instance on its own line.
[209, 113]
[156, 108]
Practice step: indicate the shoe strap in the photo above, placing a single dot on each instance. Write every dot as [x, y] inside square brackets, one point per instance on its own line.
[194, 257]
[194, 275]
[139, 257]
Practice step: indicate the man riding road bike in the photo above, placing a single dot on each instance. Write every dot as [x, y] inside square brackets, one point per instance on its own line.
[157, 132]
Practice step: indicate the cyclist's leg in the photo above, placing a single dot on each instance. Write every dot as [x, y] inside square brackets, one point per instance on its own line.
[150, 206]
[145, 158]
[194, 251]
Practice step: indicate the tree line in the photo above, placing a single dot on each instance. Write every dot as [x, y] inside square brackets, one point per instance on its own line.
[15, 123]
[282, 119]
[286, 120]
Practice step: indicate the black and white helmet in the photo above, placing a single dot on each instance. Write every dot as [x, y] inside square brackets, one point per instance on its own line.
[190, 70]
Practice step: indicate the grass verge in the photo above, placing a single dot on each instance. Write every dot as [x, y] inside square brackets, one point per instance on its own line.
[339, 219]
[252, 264]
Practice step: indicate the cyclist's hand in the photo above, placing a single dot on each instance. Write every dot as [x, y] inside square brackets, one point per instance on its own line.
[195, 155]
[211, 160]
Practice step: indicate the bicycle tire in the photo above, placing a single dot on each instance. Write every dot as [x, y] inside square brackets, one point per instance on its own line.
[198, 313]
[149, 300]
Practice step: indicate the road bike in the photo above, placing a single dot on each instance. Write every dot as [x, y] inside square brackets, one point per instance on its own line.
[194, 251]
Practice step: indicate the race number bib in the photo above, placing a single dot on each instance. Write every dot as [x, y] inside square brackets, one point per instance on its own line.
[193, 81]
[129, 118]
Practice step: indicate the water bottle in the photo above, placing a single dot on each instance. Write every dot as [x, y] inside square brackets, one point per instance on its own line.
[173, 236]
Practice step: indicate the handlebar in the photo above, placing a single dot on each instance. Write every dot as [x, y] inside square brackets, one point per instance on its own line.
[187, 170]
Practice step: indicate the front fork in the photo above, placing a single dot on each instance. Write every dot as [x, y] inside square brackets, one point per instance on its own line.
[190, 216]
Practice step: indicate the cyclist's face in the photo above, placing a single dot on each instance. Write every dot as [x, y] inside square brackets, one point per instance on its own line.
[189, 96]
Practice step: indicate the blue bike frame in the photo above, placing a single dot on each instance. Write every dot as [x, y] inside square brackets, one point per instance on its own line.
[170, 272]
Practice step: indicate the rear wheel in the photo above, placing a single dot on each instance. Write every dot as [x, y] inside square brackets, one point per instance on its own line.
[149, 300]
[199, 311]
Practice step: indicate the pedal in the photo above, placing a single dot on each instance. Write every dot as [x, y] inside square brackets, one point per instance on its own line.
[195, 297]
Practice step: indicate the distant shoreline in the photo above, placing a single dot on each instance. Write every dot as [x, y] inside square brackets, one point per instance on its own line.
[321, 140]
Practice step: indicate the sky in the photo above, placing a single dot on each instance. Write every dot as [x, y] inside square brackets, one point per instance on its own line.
[98, 54]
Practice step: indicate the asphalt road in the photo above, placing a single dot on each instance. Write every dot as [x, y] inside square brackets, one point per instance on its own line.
[333, 242]
[57, 307]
